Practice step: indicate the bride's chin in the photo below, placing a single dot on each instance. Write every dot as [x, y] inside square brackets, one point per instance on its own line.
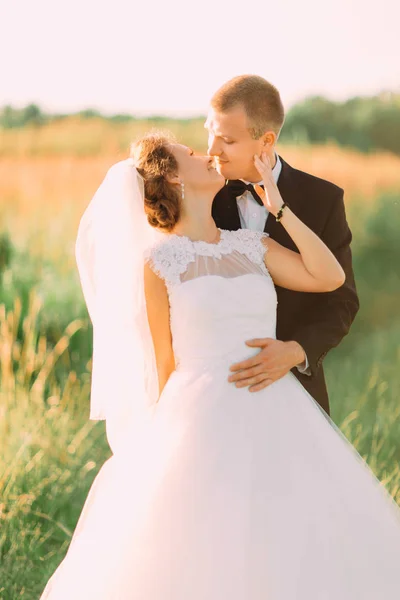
[219, 182]
[217, 187]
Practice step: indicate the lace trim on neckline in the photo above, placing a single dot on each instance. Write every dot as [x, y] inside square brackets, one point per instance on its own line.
[171, 257]
[202, 247]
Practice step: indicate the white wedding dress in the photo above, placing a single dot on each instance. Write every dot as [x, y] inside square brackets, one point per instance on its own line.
[218, 493]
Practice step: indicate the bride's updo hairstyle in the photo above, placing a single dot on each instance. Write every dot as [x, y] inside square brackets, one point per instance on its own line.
[155, 161]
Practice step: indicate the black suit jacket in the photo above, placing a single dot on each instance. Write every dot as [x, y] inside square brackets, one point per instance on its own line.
[318, 321]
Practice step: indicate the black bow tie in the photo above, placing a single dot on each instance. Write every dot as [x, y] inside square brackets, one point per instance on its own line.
[239, 187]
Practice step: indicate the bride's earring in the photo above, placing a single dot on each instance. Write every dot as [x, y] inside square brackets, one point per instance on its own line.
[183, 189]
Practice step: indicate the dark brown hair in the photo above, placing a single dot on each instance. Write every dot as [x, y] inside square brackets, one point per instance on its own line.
[155, 161]
[259, 98]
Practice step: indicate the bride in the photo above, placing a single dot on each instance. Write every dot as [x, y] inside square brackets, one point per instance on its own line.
[213, 492]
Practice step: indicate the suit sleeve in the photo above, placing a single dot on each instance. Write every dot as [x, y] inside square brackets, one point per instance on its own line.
[332, 313]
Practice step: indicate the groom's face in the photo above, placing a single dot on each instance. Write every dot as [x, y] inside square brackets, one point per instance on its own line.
[231, 145]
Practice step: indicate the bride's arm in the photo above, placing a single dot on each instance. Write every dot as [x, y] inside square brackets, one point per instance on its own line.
[315, 269]
[158, 315]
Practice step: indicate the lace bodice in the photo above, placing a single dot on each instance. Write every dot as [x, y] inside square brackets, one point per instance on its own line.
[177, 258]
[219, 294]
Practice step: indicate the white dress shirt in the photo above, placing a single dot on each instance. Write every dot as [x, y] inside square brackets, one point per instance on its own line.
[253, 216]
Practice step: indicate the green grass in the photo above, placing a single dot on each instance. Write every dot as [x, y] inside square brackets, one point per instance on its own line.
[52, 452]
[364, 384]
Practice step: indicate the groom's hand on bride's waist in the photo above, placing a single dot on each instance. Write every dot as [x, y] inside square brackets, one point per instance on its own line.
[275, 359]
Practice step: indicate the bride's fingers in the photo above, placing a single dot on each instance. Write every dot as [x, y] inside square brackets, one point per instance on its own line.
[261, 168]
[266, 159]
[263, 159]
[258, 162]
[263, 164]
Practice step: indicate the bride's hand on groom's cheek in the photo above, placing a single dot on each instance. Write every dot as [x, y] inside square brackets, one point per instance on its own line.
[270, 196]
[275, 359]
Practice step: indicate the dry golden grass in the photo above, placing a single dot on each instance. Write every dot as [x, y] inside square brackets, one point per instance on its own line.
[362, 176]
[48, 174]
[36, 189]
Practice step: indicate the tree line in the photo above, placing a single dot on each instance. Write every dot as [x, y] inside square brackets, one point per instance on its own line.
[365, 123]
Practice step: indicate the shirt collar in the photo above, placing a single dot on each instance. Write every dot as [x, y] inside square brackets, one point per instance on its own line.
[276, 171]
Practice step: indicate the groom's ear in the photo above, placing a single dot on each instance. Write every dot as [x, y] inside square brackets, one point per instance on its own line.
[268, 140]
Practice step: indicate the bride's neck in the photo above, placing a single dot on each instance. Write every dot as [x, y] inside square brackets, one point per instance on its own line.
[196, 230]
[196, 221]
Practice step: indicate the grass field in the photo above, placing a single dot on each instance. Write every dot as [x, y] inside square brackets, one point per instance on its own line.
[51, 451]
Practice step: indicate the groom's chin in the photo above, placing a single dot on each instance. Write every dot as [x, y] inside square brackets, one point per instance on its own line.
[223, 169]
[227, 172]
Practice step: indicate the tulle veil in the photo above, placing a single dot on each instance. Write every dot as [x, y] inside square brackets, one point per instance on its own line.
[113, 235]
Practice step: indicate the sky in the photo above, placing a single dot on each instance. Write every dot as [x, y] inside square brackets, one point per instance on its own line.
[168, 57]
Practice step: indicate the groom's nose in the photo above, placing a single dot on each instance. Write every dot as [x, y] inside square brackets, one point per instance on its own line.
[213, 148]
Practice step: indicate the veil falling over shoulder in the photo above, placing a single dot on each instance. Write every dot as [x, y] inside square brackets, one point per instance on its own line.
[112, 236]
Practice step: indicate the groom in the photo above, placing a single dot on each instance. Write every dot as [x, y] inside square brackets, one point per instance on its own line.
[246, 116]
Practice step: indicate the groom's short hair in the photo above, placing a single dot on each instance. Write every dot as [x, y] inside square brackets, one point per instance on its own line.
[260, 99]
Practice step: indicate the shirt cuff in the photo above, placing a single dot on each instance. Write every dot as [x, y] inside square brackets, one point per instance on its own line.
[304, 367]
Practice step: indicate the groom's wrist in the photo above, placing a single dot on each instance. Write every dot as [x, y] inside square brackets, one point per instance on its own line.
[299, 355]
